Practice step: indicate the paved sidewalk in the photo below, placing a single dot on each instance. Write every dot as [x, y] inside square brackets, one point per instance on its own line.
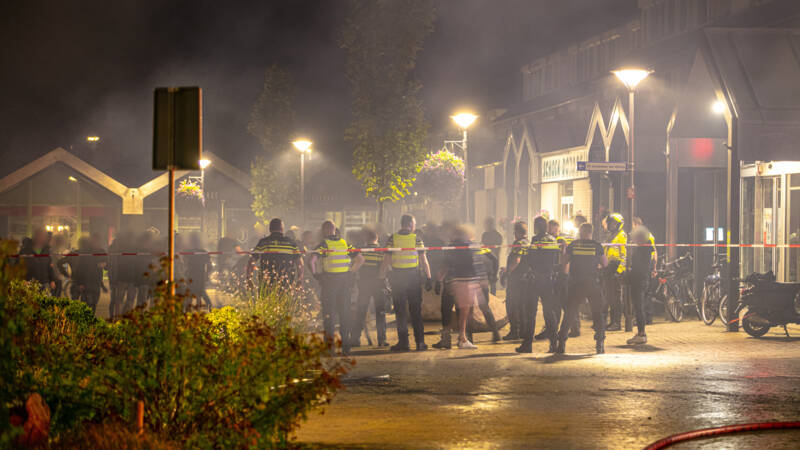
[688, 376]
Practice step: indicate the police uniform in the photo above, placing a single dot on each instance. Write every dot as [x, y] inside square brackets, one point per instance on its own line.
[490, 265]
[516, 287]
[561, 287]
[371, 286]
[585, 257]
[278, 259]
[334, 286]
[407, 287]
[542, 259]
[617, 255]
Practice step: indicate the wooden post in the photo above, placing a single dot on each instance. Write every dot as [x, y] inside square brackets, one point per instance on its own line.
[140, 417]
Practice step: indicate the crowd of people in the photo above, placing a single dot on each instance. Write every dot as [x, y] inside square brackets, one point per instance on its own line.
[131, 262]
[561, 272]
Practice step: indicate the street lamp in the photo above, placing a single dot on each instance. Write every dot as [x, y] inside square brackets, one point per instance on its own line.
[93, 138]
[631, 77]
[303, 146]
[464, 120]
[78, 215]
[718, 107]
[203, 163]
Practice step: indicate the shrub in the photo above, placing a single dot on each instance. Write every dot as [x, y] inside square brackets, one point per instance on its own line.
[233, 378]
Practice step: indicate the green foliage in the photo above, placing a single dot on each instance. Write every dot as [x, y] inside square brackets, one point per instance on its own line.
[232, 378]
[441, 177]
[274, 180]
[382, 39]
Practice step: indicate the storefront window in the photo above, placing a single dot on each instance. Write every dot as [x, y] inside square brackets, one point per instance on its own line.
[567, 201]
[747, 224]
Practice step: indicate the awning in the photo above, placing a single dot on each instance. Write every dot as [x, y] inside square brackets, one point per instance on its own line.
[759, 73]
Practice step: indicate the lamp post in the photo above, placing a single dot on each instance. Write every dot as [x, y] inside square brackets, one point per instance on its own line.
[203, 163]
[631, 77]
[303, 146]
[78, 215]
[464, 120]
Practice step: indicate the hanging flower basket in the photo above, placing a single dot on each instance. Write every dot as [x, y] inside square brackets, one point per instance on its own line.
[189, 197]
[441, 177]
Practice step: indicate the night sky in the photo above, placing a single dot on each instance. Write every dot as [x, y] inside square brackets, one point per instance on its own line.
[75, 68]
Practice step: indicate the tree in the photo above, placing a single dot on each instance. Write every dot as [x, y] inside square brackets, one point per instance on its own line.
[382, 39]
[274, 181]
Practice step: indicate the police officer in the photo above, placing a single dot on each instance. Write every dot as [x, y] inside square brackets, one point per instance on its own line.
[616, 253]
[277, 257]
[490, 265]
[648, 303]
[371, 287]
[331, 263]
[542, 259]
[583, 259]
[515, 271]
[405, 282]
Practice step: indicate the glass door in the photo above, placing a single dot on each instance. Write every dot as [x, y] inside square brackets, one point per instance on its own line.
[793, 229]
[768, 215]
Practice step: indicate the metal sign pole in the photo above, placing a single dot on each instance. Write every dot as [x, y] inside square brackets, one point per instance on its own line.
[171, 233]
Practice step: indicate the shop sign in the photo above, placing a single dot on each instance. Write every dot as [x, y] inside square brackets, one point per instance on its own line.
[563, 166]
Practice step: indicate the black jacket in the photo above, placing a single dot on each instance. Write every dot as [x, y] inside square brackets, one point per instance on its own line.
[37, 268]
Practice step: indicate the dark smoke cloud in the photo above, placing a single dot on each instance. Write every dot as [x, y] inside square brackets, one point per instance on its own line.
[75, 68]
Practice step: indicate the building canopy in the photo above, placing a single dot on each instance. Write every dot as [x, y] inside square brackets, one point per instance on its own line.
[758, 71]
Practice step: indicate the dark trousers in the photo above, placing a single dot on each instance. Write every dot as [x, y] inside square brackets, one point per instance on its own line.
[639, 299]
[540, 289]
[448, 303]
[578, 292]
[370, 289]
[335, 299]
[514, 294]
[91, 296]
[560, 303]
[197, 290]
[613, 294]
[128, 294]
[488, 315]
[407, 299]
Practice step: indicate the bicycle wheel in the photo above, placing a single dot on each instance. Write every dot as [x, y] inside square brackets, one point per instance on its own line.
[708, 307]
[723, 309]
[674, 307]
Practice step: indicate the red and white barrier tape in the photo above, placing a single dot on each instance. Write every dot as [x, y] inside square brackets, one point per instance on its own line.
[403, 249]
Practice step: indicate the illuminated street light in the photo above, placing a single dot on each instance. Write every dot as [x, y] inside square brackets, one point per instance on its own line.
[464, 120]
[303, 146]
[631, 77]
[93, 138]
[204, 163]
[718, 107]
[73, 179]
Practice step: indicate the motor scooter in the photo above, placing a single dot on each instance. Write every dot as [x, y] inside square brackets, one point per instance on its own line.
[769, 304]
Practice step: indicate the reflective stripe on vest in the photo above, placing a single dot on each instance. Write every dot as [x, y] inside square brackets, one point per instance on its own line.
[335, 258]
[407, 259]
[372, 259]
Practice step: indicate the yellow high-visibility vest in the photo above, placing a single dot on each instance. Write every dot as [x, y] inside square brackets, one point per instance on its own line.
[406, 259]
[335, 259]
[619, 251]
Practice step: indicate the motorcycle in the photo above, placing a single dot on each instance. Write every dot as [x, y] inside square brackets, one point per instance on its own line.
[769, 304]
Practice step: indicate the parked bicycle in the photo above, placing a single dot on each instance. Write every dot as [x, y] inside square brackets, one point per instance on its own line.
[675, 288]
[714, 300]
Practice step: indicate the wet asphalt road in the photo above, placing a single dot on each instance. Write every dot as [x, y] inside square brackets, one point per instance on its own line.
[688, 376]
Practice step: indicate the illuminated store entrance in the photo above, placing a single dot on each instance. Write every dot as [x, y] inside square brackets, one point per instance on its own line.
[771, 216]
